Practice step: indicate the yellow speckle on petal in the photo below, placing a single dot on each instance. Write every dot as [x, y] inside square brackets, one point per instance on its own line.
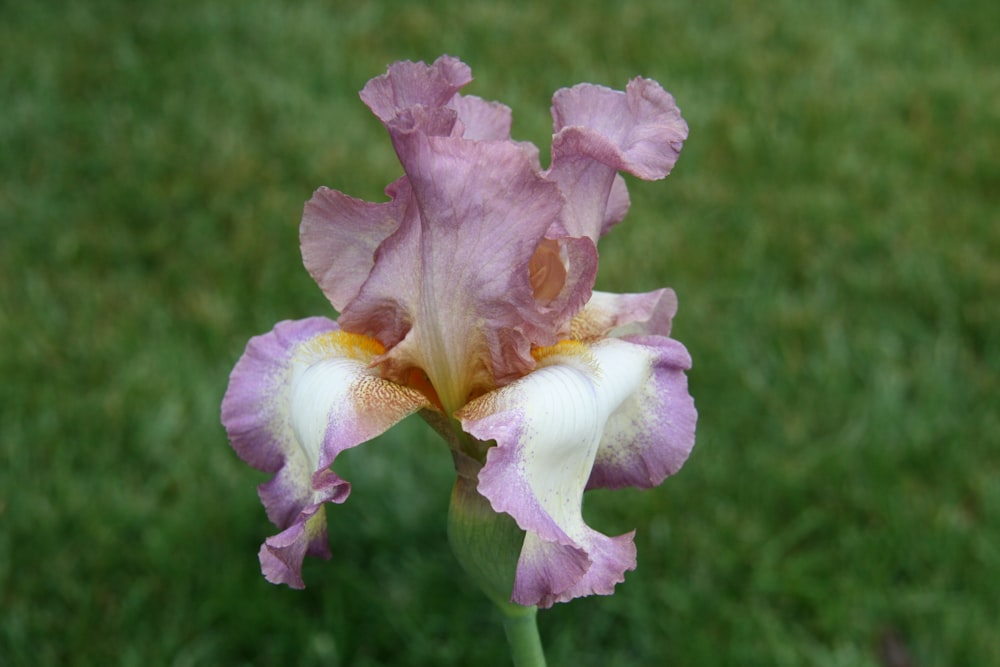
[345, 344]
[566, 350]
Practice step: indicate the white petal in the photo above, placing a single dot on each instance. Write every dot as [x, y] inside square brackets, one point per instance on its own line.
[548, 427]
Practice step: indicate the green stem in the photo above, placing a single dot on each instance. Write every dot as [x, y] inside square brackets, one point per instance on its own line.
[487, 544]
[522, 635]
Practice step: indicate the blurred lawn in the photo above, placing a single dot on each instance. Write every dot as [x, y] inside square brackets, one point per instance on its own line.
[831, 231]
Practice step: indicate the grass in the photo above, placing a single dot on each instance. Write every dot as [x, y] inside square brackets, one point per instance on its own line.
[830, 229]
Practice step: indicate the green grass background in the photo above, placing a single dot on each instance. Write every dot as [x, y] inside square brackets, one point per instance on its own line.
[831, 231]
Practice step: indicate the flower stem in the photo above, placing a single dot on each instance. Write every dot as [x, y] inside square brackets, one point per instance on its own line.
[522, 636]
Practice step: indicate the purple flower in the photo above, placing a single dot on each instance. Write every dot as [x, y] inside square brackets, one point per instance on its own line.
[468, 296]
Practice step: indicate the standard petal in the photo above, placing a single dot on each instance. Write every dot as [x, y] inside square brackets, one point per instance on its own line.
[482, 120]
[407, 84]
[339, 236]
[599, 132]
[299, 396]
[618, 204]
[457, 272]
[549, 428]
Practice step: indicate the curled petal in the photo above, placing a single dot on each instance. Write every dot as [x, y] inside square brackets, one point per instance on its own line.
[639, 131]
[550, 429]
[457, 272]
[618, 315]
[599, 132]
[339, 236]
[281, 555]
[652, 432]
[407, 84]
[299, 396]
[482, 120]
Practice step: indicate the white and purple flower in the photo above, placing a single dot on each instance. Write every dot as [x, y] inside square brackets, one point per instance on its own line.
[468, 297]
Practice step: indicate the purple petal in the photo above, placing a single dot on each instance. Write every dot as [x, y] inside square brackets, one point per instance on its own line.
[281, 555]
[599, 132]
[482, 120]
[550, 572]
[620, 315]
[618, 204]
[339, 236]
[652, 432]
[455, 278]
[407, 84]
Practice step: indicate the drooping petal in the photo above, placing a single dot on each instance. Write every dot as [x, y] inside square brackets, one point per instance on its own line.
[599, 132]
[618, 315]
[281, 555]
[550, 429]
[299, 396]
[652, 432]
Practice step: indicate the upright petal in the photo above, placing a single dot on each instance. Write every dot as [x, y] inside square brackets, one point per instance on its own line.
[458, 270]
[618, 204]
[482, 120]
[550, 428]
[407, 84]
[339, 236]
[299, 396]
[599, 132]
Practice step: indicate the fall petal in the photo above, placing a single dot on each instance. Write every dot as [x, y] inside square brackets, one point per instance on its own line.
[549, 428]
[651, 433]
[297, 397]
[281, 555]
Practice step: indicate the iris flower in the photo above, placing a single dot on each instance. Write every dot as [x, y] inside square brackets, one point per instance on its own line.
[468, 297]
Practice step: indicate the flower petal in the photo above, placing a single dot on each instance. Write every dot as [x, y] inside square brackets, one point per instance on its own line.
[339, 236]
[651, 433]
[598, 132]
[281, 555]
[618, 204]
[299, 396]
[550, 429]
[407, 84]
[457, 272]
[482, 120]
[618, 315]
